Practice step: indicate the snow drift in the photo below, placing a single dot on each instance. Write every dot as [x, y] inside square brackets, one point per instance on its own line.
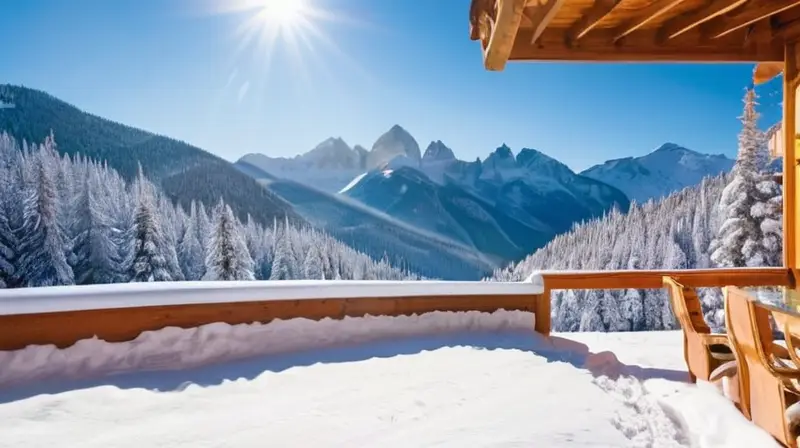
[176, 348]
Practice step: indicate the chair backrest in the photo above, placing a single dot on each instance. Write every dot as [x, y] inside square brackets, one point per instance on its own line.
[751, 336]
[737, 319]
[686, 306]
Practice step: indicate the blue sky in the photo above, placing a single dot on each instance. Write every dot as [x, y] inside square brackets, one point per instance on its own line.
[172, 67]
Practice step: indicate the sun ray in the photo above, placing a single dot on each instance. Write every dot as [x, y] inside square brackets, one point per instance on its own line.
[275, 35]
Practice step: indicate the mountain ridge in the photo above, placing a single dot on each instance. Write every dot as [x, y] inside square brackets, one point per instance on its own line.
[668, 168]
[183, 171]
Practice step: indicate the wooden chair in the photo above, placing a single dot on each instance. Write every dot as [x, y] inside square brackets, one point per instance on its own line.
[708, 356]
[765, 388]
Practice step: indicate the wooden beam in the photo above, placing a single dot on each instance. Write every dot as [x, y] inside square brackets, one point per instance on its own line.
[540, 16]
[638, 47]
[753, 12]
[787, 31]
[648, 14]
[791, 78]
[64, 328]
[695, 278]
[685, 22]
[504, 32]
[591, 18]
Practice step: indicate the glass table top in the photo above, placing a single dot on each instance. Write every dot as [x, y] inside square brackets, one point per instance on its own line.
[785, 299]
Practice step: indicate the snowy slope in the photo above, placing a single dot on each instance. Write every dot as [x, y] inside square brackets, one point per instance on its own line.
[378, 234]
[448, 210]
[667, 169]
[478, 380]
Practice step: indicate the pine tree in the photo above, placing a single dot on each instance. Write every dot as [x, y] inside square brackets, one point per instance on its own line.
[96, 255]
[739, 242]
[191, 255]
[43, 260]
[228, 257]
[149, 255]
[312, 266]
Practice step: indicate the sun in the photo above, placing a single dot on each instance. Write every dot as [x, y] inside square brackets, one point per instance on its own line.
[284, 13]
[291, 36]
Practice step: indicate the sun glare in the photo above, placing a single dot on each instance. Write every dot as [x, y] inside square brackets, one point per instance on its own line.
[283, 13]
[272, 33]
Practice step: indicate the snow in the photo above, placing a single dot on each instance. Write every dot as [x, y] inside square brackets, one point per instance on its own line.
[353, 182]
[440, 379]
[668, 169]
[127, 295]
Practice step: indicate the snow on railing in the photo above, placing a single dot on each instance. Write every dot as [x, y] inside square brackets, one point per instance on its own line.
[128, 295]
[64, 315]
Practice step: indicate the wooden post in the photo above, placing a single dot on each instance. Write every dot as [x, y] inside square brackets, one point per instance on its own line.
[542, 313]
[790, 209]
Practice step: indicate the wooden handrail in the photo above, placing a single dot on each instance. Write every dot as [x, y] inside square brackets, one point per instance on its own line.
[130, 311]
[641, 279]
[115, 322]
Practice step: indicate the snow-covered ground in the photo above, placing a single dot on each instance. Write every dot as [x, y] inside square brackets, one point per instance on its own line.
[440, 379]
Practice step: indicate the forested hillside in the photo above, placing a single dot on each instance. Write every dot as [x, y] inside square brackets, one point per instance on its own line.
[674, 233]
[183, 172]
[733, 220]
[67, 220]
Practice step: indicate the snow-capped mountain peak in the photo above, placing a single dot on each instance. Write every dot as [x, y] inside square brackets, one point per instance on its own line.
[438, 151]
[670, 167]
[396, 141]
[333, 153]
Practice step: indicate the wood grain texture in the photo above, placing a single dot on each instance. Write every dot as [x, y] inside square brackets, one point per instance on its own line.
[123, 324]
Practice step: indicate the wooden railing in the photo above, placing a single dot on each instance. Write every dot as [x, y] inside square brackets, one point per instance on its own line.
[115, 313]
[696, 278]
[64, 315]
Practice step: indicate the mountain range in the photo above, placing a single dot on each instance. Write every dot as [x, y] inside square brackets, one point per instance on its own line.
[425, 211]
[503, 206]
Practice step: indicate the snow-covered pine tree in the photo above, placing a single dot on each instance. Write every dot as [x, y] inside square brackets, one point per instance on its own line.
[283, 259]
[42, 260]
[739, 242]
[312, 266]
[96, 257]
[10, 210]
[191, 255]
[228, 258]
[149, 255]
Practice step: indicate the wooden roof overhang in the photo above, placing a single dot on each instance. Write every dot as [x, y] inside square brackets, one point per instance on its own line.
[633, 30]
[762, 31]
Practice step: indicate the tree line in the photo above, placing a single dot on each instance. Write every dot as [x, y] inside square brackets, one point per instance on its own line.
[70, 220]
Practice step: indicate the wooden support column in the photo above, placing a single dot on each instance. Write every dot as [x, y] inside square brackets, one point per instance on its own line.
[791, 76]
[542, 312]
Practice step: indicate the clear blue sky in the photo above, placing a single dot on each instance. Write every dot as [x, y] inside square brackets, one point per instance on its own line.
[172, 67]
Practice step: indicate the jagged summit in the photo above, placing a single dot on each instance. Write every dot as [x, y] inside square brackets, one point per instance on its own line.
[438, 151]
[395, 142]
[503, 151]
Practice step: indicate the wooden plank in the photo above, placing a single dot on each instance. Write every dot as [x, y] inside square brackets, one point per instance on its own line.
[651, 12]
[504, 32]
[123, 324]
[791, 74]
[638, 47]
[591, 18]
[685, 22]
[753, 12]
[540, 16]
[694, 278]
